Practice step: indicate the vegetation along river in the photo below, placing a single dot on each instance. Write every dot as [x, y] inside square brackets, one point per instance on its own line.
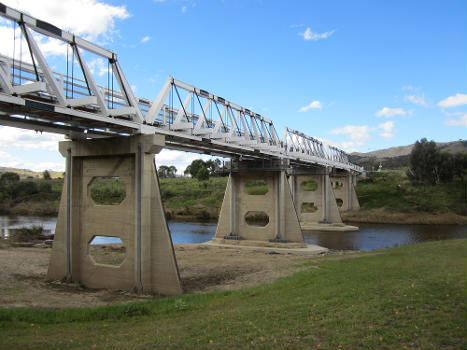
[370, 236]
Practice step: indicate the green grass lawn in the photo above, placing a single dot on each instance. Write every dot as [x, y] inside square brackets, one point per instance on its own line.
[409, 297]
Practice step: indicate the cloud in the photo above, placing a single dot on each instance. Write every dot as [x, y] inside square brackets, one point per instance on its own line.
[98, 66]
[179, 159]
[418, 100]
[146, 39]
[453, 101]
[28, 139]
[390, 112]
[387, 129]
[184, 8]
[312, 105]
[462, 121]
[358, 134]
[309, 35]
[90, 18]
[408, 87]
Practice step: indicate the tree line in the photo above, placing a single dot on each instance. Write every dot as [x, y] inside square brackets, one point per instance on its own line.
[428, 165]
[198, 169]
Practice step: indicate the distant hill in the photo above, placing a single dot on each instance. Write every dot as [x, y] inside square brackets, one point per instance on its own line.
[25, 173]
[395, 157]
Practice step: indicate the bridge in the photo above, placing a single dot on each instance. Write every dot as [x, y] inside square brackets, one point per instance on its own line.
[114, 133]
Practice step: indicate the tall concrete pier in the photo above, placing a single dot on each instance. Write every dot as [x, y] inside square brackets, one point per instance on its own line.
[149, 265]
[272, 204]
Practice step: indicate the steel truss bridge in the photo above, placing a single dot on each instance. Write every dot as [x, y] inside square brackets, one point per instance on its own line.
[34, 96]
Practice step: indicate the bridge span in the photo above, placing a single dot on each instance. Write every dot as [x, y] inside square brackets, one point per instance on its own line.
[114, 133]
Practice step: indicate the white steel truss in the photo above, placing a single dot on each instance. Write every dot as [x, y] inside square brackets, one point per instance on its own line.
[33, 96]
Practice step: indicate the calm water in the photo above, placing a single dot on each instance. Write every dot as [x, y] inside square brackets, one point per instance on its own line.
[370, 236]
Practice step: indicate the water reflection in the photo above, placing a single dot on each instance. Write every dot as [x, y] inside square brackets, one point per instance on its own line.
[375, 236]
[370, 236]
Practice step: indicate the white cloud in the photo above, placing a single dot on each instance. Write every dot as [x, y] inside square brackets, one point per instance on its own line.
[387, 129]
[358, 134]
[310, 35]
[28, 139]
[418, 100]
[98, 66]
[184, 8]
[91, 18]
[453, 101]
[462, 121]
[312, 105]
[390, 112]
[146, 39]
[179, 159]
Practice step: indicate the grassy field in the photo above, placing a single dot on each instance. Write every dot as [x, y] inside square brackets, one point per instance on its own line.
[410, 297]
[391, 190]
[193, 199]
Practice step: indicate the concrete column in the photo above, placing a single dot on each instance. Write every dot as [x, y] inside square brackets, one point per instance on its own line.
[343, 184]
[139, 220]
[282, 225]
[315, 201]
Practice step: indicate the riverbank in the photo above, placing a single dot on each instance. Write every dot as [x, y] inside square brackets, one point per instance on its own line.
[409, 297]
[385, 197]
[384, 216]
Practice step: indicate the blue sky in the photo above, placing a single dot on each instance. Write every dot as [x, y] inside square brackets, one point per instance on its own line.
[364, 75]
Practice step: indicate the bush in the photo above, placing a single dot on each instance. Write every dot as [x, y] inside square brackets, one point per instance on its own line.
[27, 234]
[25, 188]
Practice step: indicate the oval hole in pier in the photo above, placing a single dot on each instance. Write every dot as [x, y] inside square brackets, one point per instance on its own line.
[107, 190]
[309, 185]
[257, 218]
[256, 187]
[107, 250]
[309, 207]
[339, 202]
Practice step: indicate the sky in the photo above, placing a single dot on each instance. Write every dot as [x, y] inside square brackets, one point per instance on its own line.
[362, 75]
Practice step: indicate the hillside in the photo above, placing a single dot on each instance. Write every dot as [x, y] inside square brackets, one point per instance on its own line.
[395, 157]
[26, 173]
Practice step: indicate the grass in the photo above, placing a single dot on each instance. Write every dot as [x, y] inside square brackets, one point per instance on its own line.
[256, 187]
[189, 197]
[410, 297]
[393, 191]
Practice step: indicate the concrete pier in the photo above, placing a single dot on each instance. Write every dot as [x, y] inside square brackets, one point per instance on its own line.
[280, 222]
[343, 184]
[138, 220]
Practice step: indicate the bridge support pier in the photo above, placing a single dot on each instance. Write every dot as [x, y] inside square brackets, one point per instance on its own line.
[314, 198]
[258, 209]
[149, 265]
[343, 184]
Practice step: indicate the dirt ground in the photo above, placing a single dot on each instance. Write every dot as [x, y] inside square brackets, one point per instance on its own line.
[202, 268]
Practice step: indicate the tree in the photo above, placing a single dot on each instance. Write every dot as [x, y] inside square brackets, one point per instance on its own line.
[430, 166]
[203, 174]
[8, 179]
[46, 175]
[196, 166]
[171, 171]
[163, 171]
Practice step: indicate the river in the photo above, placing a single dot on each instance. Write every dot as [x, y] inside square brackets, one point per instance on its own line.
[369, 237]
